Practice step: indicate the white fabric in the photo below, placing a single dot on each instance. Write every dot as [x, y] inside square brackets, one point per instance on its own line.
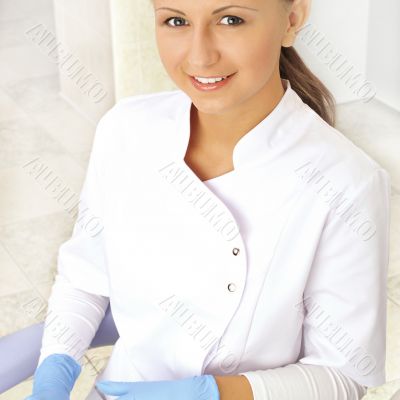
[292, 382]
[303, 382]
[308, 284]
[73, 317]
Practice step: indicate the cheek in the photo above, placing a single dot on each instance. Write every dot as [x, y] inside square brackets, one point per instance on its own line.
[258, 55]
[171, 55]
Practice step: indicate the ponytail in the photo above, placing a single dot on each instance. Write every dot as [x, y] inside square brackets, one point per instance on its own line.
[309, 88]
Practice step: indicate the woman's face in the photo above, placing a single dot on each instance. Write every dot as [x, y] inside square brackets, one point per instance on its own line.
[208, 42]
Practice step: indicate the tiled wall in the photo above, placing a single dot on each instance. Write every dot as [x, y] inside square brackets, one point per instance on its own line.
[138, 68]
[83, 29]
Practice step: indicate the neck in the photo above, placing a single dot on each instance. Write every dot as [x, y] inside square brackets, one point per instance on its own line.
[221, 132]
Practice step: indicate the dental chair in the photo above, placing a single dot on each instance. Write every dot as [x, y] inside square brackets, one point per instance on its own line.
[20, 351]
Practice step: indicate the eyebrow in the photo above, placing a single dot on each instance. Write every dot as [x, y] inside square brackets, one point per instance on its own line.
[214, 12]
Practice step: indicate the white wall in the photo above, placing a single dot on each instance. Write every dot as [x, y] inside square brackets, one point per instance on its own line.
[354, 48]
[383, 64]
[333, 42]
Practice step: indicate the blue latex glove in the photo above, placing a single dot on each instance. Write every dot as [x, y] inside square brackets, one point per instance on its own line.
[54, 378]
[203, 387]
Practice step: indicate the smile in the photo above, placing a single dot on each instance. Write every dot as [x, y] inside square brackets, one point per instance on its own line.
[214, 84]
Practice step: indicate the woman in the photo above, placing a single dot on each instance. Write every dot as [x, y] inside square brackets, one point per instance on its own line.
[243, 243]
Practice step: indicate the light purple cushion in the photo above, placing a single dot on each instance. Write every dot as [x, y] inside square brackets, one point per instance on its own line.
[20, 351]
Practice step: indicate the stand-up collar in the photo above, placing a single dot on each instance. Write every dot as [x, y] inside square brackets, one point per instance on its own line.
[258, 141]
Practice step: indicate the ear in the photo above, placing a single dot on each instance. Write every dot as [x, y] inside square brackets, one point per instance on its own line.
[297, 15]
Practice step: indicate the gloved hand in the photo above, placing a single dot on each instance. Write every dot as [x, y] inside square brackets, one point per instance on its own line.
[203, 387]
[54, 378]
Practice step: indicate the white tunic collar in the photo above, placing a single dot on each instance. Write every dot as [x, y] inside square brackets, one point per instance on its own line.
[256, 143]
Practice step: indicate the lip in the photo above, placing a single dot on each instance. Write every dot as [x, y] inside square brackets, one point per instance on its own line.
[206, 87]
[209, 77]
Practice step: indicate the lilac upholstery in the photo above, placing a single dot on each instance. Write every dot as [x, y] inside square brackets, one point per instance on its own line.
[20, 351]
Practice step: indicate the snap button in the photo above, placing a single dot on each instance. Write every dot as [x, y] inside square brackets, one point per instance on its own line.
[235, 251]
[231, 287]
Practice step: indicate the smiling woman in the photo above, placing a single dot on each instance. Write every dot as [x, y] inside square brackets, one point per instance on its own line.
[255, 39]
[230, 58]
[240, 147]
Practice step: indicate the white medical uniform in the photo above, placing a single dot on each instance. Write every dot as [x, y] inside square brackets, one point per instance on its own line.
[281, 261]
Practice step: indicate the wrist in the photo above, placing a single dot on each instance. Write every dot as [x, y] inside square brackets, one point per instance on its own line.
[234, 387]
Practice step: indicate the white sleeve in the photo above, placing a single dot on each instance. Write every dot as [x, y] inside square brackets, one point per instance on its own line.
[82, 258]
[344, 328]
[303, 382]
[80, 293]
[73, 317]
[344, 302]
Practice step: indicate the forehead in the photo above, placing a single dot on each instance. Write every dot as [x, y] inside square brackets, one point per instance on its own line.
[210, 4]
[212, 7]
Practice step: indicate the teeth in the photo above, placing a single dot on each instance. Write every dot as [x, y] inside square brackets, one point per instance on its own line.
[211, 80]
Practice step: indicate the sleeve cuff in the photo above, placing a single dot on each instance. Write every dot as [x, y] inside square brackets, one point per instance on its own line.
[257, 385]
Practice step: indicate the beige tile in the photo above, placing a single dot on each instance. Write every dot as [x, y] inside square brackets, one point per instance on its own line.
[13, 280]
[27, 193]
[394, 256]
[40, 98]
[35, 94]
[384, 392]
[394, 288]
[393, 342]
[99, 357]
[73, 131]
[17, 67]
[97, 360]
[7, 74]
[92, 107]
[16, 9]
[395, 211]
[34, 244]
[394, 260]
[23, 139]
[8, 108]
[12, 32]
[45, 288]
[84, 383]
[82, 158]
[20, 310]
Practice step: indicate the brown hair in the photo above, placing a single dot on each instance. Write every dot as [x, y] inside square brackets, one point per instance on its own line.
[310, 89]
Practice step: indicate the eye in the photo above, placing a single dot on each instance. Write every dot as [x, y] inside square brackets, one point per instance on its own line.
[232, 16]
[172, 18]
[182, 19]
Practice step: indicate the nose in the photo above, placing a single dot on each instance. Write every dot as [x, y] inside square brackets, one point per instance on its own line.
[202, 50]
